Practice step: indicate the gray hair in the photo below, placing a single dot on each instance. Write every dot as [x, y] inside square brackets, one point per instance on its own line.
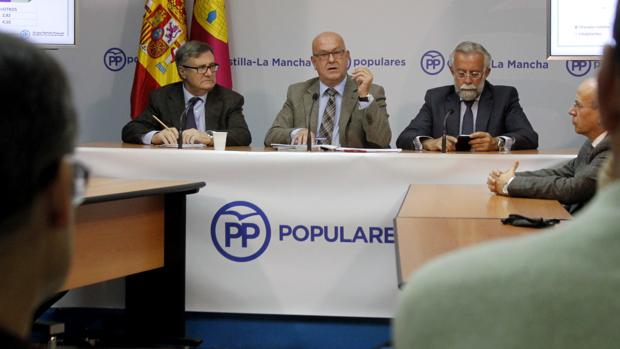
[470, 47]
[191, 49]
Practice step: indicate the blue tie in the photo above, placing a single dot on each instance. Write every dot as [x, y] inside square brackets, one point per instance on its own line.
[468, 119]
[190, 119]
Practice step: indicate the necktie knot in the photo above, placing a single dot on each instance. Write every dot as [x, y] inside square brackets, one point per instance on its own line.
[469, 104]
[194, 100]
[331, 92]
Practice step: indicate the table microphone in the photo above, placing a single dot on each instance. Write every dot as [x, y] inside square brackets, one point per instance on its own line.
[445, 126]
[315, 96]
[191, 104]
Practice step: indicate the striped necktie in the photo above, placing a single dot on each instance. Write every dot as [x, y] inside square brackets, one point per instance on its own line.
[329, 116]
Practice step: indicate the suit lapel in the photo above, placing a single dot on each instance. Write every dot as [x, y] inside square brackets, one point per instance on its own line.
[454, 121]
[310, 104]
[176, 101]
[213, 110]
[347, 106]
[484, 108]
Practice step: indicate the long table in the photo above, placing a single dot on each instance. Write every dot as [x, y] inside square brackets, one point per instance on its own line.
[296, 233]
[136, 229]
[436, 219]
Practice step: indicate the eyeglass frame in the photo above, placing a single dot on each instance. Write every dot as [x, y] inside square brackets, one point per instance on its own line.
[461, 74]
[323, 56]
[579, 106]
[213, 67]
[81, 175]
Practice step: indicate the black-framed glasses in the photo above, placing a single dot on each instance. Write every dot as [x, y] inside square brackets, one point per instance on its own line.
[81, 174]
[461, 74]
[325, 55]
[213, 67]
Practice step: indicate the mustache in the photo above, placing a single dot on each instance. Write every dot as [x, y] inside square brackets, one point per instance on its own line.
[468, 87]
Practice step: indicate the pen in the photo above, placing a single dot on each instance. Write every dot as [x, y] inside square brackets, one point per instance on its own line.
[160, 122]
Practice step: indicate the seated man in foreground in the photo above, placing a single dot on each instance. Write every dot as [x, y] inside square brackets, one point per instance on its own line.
[39, 182]
[556, 289]
[348, 111]
[208, 106]
[573, 183]
[490, 115]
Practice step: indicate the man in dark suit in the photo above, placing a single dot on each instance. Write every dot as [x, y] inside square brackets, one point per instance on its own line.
[39, 182]
[490, 115]
[350, 110]
[573, 183]
[210, 107]
[557, 289]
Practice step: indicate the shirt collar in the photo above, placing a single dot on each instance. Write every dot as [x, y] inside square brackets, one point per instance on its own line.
[339, 88]
[187, 96]
[598, 139]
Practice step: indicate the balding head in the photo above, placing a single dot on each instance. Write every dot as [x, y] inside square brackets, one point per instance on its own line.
[585, 113]
[330, 58]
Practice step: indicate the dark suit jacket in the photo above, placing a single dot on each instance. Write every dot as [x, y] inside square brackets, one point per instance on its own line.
[224, 112]
[573, 183]
[499, 114]
[366, 128]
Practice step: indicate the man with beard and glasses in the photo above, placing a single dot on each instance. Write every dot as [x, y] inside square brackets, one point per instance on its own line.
[210, 107]
[490, 115]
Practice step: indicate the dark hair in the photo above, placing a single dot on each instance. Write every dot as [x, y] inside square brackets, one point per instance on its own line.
[190, 49]
[38, 123]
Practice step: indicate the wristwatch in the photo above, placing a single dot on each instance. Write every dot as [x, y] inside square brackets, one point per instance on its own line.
[363, 99]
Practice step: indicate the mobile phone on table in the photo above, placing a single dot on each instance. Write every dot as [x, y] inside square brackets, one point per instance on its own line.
[462, 143]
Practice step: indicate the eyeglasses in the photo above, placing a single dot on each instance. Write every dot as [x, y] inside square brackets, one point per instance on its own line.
[475, 75]
[213, 67]
[325, 55]
[81, 174]
[578, 105]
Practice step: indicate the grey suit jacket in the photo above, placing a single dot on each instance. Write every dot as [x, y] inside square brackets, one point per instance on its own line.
[499, 113]
[366, 128]
[554, 290]
[573, 183]
[224, 112]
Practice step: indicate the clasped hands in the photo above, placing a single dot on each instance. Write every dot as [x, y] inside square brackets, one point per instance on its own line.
[497, 179]
[190, 136]
[479, 141]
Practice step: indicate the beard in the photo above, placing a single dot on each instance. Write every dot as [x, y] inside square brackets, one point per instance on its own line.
[469, 92]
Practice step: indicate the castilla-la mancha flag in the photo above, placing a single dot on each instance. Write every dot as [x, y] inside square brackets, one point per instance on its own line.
[209, 25]
[164, 29]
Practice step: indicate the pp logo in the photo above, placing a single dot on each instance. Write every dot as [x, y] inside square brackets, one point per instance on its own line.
[578, 68]
[240, 231]
[24, 34]
[114, 59]
[432, 62]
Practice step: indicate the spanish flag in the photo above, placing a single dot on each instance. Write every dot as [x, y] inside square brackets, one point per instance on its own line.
[209, 25]
[164, 29]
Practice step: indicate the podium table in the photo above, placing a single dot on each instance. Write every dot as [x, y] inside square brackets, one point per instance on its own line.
[136, 229]
[435, 219]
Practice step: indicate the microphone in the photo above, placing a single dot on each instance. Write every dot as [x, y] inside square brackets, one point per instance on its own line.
[445, 126]
[190, 104]
[315, 96]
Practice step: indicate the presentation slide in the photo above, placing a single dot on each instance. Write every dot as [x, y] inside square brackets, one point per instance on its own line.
[580, 28]
[45, 22]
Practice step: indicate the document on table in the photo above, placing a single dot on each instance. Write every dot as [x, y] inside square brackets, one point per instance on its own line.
[185, 145]
[366, 150]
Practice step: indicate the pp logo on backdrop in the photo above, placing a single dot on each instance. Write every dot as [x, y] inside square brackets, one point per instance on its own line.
[240, 231]
[115, 59]
[578, 68]
[432, 62]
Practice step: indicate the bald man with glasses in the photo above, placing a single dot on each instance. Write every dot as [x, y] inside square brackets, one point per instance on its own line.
[345, 110]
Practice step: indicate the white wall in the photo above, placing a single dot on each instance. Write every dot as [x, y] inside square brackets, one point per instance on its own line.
[396, 29]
